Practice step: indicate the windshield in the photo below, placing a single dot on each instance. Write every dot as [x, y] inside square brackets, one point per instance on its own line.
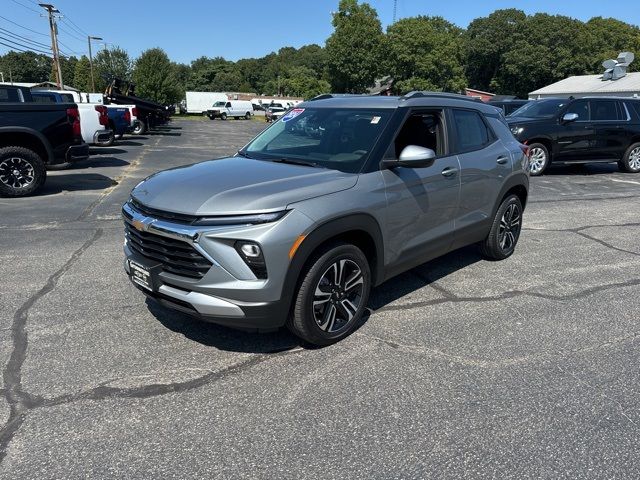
[219, 104]
[540, 108]
[339, 139]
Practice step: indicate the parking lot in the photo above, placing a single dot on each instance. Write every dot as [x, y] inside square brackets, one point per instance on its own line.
[525, 368]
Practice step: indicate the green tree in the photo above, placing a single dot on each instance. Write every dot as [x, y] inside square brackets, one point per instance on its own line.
[82, 75]
[155, 77]
[487, 40]
[354, 48]
[109, 64]
[605, 38]
[424, 53]
[25, 66]
[303, 82]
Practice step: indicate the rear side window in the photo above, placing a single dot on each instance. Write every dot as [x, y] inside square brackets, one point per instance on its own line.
[9, 95]
[472, 132]
[635, 105]
[603, 110]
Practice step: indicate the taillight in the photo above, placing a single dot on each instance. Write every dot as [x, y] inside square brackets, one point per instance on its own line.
[134, 112]
[127, 116]
[104, 117]
[73, 115]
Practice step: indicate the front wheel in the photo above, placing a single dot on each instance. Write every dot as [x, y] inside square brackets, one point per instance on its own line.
[247, 116]
[333, 295]
[631, 160]
[505, 230]
[538, 159]
[223, 116]
[22, 172]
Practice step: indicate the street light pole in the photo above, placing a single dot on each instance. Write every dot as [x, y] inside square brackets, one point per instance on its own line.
[93, 83]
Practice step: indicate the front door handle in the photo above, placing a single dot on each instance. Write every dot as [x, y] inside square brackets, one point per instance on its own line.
[449, 172]
[502, 160]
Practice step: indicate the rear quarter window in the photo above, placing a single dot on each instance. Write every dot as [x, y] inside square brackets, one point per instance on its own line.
[9, 95]
[472, 133]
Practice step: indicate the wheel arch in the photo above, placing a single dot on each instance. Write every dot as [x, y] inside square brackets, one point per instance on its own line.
[361, 230]
[517, 184]
[27, 138]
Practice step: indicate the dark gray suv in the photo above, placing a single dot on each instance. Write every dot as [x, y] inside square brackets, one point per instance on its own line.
[339, 195]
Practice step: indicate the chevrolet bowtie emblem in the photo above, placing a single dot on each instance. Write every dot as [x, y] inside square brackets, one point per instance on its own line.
[138, 225]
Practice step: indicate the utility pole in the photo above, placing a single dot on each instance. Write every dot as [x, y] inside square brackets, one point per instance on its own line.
[395, 7]
[89, 38]
[51, 10]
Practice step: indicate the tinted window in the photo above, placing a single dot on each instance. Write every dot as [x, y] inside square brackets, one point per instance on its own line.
[40, 98]
[635, 105]
[9, 95]
[581, 108]
[471, 131]
[67, 98]
[540, 108]
[604, 110]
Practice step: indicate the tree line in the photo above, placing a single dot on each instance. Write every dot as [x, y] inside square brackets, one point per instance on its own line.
[507, 52]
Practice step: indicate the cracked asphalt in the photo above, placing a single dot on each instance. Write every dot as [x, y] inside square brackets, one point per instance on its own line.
[464, 368]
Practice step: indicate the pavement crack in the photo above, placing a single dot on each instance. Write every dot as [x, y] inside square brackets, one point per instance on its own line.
[511, 294]
[433, 284]
[19, 401]
[605, 244]
[104, 391]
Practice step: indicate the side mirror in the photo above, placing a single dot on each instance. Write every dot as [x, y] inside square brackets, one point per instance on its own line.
[570, 117]
[413, 156]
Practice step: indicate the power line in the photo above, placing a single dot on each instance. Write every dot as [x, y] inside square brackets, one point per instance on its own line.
[13, 47]
[25, 6]
[71, 23]
[73, 35]
[33, 49]
[26, 28]
[25, 39]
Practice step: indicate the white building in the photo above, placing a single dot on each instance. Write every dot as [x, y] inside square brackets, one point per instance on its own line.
[591, 85]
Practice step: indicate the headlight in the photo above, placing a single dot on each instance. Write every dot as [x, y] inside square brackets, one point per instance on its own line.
[255, 219]
[517, 130]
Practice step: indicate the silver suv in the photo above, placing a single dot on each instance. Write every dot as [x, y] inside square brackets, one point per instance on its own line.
[339, 195]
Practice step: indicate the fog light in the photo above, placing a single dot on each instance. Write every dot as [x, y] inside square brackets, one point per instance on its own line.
[251, 253]
[251, 250]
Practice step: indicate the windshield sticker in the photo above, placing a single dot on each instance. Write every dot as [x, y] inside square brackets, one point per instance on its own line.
[375, 120]
[292, 114]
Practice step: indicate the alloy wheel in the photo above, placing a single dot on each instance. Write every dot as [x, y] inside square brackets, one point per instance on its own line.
[634, 159]
[338, 295]
[16, 172]
[537, 160]
[510, 225]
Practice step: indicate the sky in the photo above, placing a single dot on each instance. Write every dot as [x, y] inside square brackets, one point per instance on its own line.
[188, 29]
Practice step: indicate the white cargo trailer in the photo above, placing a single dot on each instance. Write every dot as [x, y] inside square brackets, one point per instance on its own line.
[200, 102]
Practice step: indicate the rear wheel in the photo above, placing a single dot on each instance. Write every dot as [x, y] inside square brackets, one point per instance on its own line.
[631, 160]
[505, 230]
[140, 128]
[333, 295]
[22, 172]
[538, 158]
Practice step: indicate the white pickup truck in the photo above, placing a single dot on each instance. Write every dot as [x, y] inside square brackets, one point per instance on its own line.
[94, 119]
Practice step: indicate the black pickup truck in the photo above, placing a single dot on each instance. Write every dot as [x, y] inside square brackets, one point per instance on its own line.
[33, 136]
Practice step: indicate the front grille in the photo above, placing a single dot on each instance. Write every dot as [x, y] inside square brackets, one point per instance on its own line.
[175, 256]
[162, 214]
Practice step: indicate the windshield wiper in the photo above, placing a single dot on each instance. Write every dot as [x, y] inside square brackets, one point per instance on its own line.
[244, 154]
[294, 161]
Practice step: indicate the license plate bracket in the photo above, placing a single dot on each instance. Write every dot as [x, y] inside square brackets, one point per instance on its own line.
[145, 273]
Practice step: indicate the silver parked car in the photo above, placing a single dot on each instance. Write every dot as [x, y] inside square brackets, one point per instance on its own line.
[339, 195]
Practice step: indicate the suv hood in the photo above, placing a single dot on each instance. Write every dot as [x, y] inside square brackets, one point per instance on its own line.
[237, 185]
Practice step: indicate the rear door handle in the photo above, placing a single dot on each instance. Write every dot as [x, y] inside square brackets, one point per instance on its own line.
[449, 172]
[502, 160]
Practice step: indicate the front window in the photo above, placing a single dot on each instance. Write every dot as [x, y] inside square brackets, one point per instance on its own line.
[219, 104]
[540, 108]
[339, 139]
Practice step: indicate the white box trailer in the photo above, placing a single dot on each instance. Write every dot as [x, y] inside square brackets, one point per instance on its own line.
[200, 102]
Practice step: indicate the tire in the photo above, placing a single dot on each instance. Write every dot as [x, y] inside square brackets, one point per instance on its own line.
[118, 136]
[630, 162]
[223, 116]
[321, 317]
[247, 116]
[501, 242]
[30, 168]
[538, 159]
[140, 128]
[107, 144]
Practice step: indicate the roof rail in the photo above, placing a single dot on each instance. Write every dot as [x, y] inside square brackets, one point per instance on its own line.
[417, 94]
[337, 95]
